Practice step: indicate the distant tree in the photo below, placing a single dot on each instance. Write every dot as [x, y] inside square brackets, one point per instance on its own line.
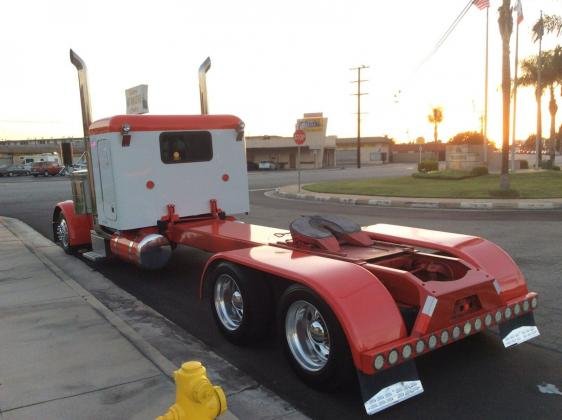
[551, 78]
[530, 144]
[470, 137]
[545, 24]
[435, 118]
[420, 140]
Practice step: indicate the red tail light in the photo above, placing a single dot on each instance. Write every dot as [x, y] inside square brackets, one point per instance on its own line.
[466, 306]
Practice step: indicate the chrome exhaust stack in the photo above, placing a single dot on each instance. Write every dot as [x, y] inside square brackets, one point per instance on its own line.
[203, 69]
[86, 121]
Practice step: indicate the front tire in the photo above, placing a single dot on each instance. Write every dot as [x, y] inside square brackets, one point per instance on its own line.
[240, 303]
[62, 235]
[46, 173]
[313, 340]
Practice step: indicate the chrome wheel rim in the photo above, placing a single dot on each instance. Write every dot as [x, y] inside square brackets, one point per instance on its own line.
[307, 335]
[62, 233]
[229, 304]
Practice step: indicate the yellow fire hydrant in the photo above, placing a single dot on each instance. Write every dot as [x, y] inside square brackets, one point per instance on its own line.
[196, 397]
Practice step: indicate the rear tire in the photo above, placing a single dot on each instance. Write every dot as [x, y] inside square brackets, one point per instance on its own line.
[313, 340]
[46, 173]
[240, 302]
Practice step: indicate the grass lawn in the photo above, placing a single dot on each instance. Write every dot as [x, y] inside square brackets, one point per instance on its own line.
[543, 184]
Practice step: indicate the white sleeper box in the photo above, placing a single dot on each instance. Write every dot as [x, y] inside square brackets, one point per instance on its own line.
[123, 176]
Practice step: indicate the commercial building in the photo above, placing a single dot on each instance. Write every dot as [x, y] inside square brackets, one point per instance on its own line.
[374, 150]
[318, 150]
[17, 151]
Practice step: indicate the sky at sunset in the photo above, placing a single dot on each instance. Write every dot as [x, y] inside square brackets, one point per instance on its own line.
[271, 62]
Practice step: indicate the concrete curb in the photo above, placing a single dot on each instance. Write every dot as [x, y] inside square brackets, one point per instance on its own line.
[250, 398]
[289, 192]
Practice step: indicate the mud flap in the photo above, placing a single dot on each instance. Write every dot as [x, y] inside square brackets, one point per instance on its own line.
[518, 330]
[389, 387]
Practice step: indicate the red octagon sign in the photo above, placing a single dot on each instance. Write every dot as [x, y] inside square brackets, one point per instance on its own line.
[299, 137]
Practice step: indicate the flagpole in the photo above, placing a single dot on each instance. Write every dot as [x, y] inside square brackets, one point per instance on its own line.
[485, 131]
[515, 95]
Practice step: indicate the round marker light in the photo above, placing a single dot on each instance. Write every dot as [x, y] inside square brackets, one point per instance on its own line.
[507, 313]
[477, 324]
[420, 346]
[526, 305]
[456, 332]
[517, 309]
[407, 351]
[488, 320]
[379, 362]
[498, 316]
[534, 303]
[432, 342]
[467, 328]
[445, 337]
[393, 357]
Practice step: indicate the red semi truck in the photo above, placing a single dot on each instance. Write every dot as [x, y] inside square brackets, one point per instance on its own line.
[351, 303]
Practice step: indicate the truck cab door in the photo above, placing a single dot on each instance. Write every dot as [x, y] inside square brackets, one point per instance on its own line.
[107, 184]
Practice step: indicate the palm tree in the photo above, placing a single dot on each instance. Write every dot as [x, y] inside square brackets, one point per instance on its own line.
[505, 22]
[551, 77]
[550, 24]
[435, 118]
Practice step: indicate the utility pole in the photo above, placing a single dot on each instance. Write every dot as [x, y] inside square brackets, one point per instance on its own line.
[359, 94]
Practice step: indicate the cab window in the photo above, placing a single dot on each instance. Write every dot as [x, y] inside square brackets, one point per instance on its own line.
[186, 146]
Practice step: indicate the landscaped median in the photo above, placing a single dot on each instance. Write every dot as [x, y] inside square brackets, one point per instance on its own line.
[529, 185]
[533, 190]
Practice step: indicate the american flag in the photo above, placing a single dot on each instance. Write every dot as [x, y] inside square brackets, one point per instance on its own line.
[481, 4]
[519, 10]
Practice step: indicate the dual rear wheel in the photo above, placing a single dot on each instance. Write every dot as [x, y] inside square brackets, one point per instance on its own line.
[312, 339]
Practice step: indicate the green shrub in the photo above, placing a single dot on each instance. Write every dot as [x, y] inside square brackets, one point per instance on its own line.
[428, 166]
[479, 171]
[548, 164]
[524, 164]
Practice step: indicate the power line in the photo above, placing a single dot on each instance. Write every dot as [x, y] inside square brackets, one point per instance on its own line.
[448, 32]
[438, 44]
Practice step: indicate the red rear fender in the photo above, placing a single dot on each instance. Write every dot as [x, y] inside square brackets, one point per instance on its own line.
[366, 311]
[79, 225]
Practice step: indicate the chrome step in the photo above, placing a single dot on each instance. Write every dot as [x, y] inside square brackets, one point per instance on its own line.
[93, 256]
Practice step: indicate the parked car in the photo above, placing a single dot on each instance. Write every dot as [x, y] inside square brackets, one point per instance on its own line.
[45, 168]
[252, 166]
[13, 170]
[267, 164]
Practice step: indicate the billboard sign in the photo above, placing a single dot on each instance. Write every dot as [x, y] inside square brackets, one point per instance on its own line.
[310, 124]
